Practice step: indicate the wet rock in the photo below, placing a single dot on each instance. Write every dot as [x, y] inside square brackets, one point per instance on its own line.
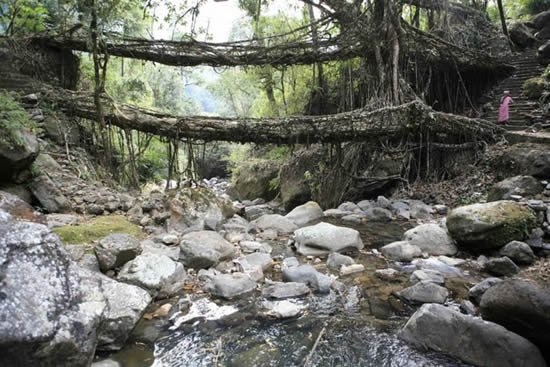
[308, 275]
[401, 251]
[519, 252]
[480, 288]
[424, 292]
[518, 185]
[432, 239]
[351, 269]
[125, 305]
[522, 307]
[158, 274]
[324, 238]
[469, 339]
[501, 266]
[282, 309]
[151, 247]
[427, 275]
[116, 250]
[203, 249]
[275, 221]
[306, 213]
[230, 286]
[491, 225]
[336, 260]
[378, 215]
[281, 290]
[50, 307]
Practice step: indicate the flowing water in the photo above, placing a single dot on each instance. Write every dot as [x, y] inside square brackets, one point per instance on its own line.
[354, 325]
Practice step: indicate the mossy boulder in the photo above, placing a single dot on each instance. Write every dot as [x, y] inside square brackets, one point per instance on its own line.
[534, 88]
[255, 179]
[489, 226]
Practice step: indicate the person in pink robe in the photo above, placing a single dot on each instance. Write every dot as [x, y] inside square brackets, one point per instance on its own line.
[504, 109]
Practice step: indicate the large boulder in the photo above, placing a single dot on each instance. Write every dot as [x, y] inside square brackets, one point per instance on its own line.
[323, 238]
[521, 35]
[116, 250]
[541, 20]
[517, 185]
[306, 213]
[424, 292]
[49, 195]
[156, 273]
[294, 186]
[523, 159]
[432, 239]
[203, 249]
[276, 222]
[491, 225]
[401, 251]
[255, 179]
[522, 307]
[469, 339]
[196, 209]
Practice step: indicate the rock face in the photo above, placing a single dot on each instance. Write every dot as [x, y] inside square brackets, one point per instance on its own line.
[469, 339]
[276, 222]
[116, 250]
[158, 274]
[401, 251]
[203, 249]
[432, 239]
[522, 307]
[230, 286]
[491, 225]
[304, 214]
[424, 292]
[324, 238]
[196, 209]
[252, 180]
[521, 35]
[517, 185]
[518, 252]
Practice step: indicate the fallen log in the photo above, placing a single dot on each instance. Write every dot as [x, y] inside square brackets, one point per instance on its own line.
[360, 125]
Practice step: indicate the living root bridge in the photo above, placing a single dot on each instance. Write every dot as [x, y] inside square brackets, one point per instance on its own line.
[404, 121]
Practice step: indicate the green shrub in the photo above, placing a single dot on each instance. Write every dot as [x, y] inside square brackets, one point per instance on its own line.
[533, 88]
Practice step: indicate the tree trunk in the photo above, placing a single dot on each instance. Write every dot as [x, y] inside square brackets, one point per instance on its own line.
[502, 18]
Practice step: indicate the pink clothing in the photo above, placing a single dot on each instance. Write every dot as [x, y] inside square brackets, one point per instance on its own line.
[504, 110]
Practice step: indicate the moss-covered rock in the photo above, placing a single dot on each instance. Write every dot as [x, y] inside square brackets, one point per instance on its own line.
[534, 87]
[492, 225]
[255, 179]
[97, 229]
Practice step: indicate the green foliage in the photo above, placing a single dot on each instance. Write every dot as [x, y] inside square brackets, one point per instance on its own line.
[13, 118]
[22, 16]
[96, 229]
[534, 87]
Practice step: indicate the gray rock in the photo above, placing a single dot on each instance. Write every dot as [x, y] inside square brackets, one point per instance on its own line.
[351, 269]
[365, 204]
[282, 309]
[256, 211]
[289, 262]
[324, 238]
[480, 288]
[521, 35]
[116, 250]
[427, 275]
[348, 206]
[203, 249]
[490, 225]
[501, 266]
[236, 224]
[469, 339]
[277, 222]
[518, 185]
[388, 274]
[306, 213]
[170, 239]
[424, 292]
[382, 202]
[282, 290]
[401, 251]
[60, 220]
[378, 215]
[106, 363]
[335, 213]
[419, 210]
[433, 263]
[253, 179]
[541, 20]
[125, 305]
[432, 239]
[49, 195]
[50, 307]
[254, 246]
[158, 274]
[519, 252]
[522, 307]
[230, 286]
[468, 307]
[18, 149]
[354, 218]
[307, 274]
[336, 260]
[523, 159]
[254, 264]
[151, 247]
